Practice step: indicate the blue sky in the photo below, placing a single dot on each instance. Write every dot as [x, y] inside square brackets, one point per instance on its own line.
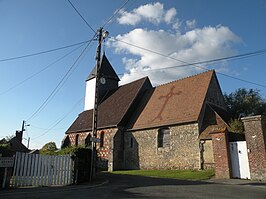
[188, 30]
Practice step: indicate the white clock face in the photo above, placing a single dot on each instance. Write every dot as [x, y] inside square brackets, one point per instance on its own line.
[102, 80]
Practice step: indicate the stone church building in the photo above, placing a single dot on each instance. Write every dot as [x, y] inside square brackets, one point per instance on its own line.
[146, 127]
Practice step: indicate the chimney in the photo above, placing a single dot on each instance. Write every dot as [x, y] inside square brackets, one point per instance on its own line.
[19, 135]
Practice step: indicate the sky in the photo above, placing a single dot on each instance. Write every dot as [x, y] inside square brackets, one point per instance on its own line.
[145, 39]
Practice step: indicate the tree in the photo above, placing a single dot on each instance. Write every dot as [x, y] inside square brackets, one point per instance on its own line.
[48, 148]
[243, 102]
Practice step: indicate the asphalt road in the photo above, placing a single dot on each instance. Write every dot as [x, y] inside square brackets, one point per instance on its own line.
[124, 186]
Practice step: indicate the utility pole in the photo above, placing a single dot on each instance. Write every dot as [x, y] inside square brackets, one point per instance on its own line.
[23, 125]
[101, 37]
[22, 130]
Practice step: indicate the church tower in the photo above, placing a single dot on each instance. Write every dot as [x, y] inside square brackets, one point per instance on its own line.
[108, 81]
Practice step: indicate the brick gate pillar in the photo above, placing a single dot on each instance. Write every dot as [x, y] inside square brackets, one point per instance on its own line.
[255, 133]
[221, 153]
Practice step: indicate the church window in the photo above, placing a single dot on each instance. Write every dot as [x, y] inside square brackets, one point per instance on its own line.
[163, 138]
[88, 140]
[77, 140]
[101, 139]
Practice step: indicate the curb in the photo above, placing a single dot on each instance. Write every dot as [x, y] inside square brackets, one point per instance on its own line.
[49, 189]
[239, 182]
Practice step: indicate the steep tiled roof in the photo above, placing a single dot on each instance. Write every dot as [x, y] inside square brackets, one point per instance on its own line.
[106, 70]
[180, 101]
[114, 109]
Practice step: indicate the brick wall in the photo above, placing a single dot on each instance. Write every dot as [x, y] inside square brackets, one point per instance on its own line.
[105, 159]
[142, 151]
[255, 132]
[81, 138]
[221, 153]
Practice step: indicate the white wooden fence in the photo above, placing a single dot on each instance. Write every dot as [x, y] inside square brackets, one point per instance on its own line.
[42, 170]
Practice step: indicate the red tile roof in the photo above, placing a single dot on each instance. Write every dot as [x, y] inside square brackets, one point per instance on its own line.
[115, 109]
[180, 101]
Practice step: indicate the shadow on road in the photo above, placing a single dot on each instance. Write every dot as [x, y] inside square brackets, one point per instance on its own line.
[131, 186]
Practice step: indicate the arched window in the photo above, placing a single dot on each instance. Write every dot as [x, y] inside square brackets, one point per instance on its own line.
[101, 139]
[163, 138]
[77, 140]
[88, 140]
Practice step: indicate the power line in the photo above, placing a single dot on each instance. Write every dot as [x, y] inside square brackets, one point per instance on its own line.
[43, 52]
[59, 85]
[115, 13]
[47, 130]
[236, 57]
[81, 16]
[60, 119]
[201, 67]
[40, 71]
[41, 128]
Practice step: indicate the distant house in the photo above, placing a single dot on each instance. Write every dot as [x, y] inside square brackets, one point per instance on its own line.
[15, 143]
[146, 127]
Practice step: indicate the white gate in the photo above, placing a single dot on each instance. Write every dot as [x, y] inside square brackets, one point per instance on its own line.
[239, 160]
[41, 170]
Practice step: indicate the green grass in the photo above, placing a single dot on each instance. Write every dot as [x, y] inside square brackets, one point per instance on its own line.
[177, 174]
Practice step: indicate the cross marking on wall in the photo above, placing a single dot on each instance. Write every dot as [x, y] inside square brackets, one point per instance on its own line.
[167, 97]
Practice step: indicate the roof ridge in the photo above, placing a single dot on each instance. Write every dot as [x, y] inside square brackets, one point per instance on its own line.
[211, 70]
[145, 77]
[142, 80]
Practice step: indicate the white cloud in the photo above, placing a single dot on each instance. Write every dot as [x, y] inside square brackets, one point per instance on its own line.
[169, 15]
[192, 46]
[191, 24]
[129, 19]
[153, 12]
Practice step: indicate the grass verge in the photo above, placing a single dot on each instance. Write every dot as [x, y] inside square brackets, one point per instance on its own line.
[176, 174]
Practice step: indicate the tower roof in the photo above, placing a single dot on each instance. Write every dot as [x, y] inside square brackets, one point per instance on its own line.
[106, 70]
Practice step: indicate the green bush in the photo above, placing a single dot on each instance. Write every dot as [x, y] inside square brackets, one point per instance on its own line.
[5, 150]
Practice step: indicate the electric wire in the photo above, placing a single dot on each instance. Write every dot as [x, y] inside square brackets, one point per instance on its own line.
[41, 128]
[40, 71]
[202, 67]
[60, 84]
[53, 125]
[115, 13]
[230, 58]
[81, 16]
[43, 52]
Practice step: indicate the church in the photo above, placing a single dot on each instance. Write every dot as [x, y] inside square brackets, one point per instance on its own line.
[146, 127]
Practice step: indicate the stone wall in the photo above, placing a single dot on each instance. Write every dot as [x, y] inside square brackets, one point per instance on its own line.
[117, 150]
[142, 151]
[255, 133]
